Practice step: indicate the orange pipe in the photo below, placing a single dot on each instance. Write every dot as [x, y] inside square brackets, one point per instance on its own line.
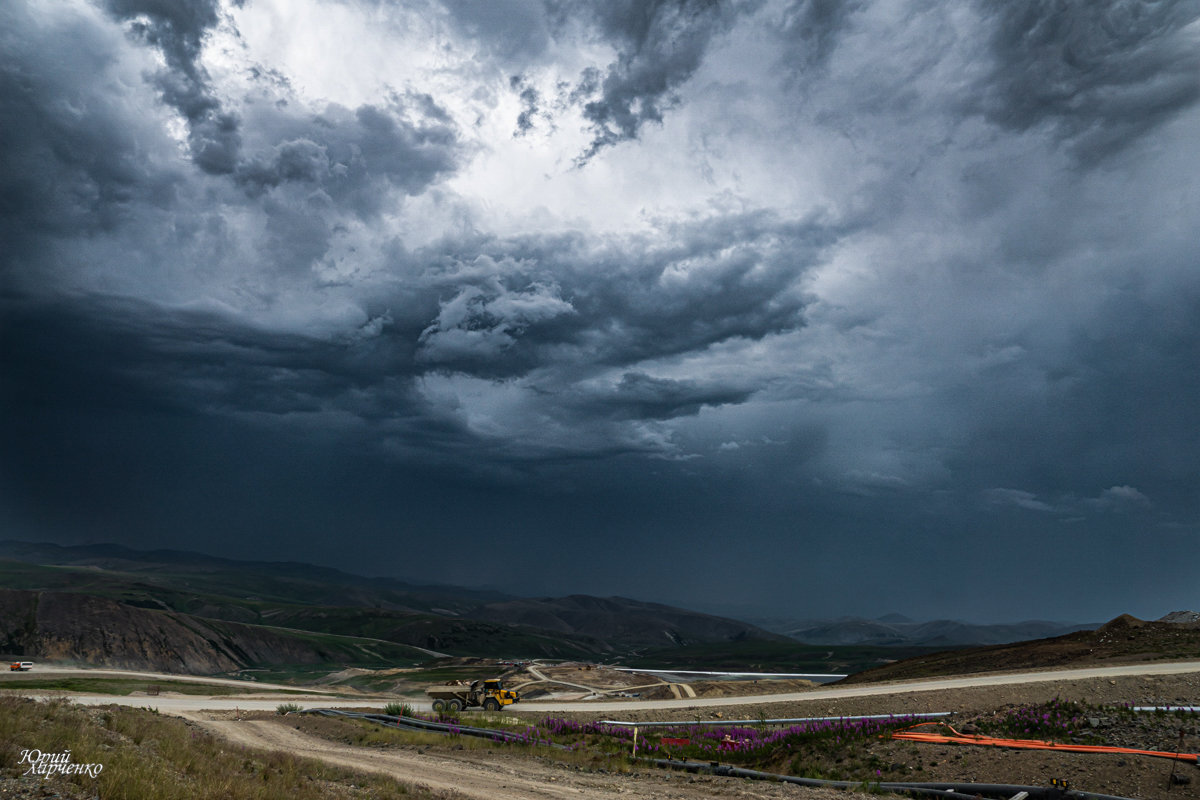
[1029, 744]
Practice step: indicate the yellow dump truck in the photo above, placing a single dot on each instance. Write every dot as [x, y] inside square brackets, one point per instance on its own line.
[490, 695]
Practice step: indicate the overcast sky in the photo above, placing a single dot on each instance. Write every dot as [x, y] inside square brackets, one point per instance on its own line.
[799, 307]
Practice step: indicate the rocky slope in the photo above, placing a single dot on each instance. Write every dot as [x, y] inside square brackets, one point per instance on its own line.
[96, 630]
[448, 619]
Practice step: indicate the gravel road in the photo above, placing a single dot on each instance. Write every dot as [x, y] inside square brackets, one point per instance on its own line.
[866, 690]
[262, 701]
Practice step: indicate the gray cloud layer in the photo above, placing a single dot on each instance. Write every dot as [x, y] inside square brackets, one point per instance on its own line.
[924, 283]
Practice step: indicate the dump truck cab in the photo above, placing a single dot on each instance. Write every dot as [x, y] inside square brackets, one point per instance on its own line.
[493, 689]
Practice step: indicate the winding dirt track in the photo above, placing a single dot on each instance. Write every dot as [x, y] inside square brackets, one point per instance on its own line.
[90, 672]
[496, 777]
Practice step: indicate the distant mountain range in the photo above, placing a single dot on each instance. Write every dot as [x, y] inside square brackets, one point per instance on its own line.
[204, 614]
[169, 609]
[898, 630]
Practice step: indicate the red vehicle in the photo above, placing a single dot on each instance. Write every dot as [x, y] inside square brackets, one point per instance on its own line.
[20, 666]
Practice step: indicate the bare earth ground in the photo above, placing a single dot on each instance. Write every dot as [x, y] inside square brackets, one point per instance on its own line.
[500, 775]
[505, 775]
[1127, 776]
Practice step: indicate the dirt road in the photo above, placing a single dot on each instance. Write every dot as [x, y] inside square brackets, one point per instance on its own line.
[58, 671]
[866, 690]
[175, 704]
[502, 777]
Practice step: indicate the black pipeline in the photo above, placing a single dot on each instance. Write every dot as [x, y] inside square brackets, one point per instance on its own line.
[956, 791]
[414, 724]
[951, 791]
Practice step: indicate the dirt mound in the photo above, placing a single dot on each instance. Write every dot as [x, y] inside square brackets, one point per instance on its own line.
[1122, 622]
[747, 688]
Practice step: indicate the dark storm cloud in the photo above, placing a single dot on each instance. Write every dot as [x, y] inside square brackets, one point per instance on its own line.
[1113, 423]
[1100, 74]
[811, 30]
[72, 163]
[539, 311]
[640, 396]
[890, 325]
[178, 30]
[407, 142]
[84, 150]
[512, 30]
[706, 282]
[530, 105]
[659, 46]
[353, 156]
[127, 357]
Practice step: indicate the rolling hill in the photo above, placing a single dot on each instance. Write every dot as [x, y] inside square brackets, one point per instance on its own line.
[197, 591]
[896, 630]
[1124, 639]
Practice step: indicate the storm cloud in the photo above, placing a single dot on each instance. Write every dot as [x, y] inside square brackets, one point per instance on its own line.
[851, 286]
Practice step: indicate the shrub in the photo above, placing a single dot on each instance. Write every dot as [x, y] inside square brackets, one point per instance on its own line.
[398, 709]
[286, 708]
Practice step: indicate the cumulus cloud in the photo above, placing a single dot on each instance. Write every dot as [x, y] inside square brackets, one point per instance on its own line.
[1124, 493]
[479, 323]
[356, 156]
[1019, 498]
[1117, 498]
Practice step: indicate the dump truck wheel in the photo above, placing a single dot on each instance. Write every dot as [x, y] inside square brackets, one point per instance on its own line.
[454, 705]
[439, 705]
[491, 704]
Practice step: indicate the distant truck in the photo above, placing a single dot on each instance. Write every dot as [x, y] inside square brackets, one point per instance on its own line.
[21, 666]
[490, 695]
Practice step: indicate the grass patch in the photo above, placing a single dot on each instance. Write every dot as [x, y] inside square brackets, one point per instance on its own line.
[294, 674]
[831, 749]
[364, 733]
[146, 756]
[1055, 720]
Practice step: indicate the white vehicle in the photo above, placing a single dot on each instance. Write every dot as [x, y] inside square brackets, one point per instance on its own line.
[21, 666]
